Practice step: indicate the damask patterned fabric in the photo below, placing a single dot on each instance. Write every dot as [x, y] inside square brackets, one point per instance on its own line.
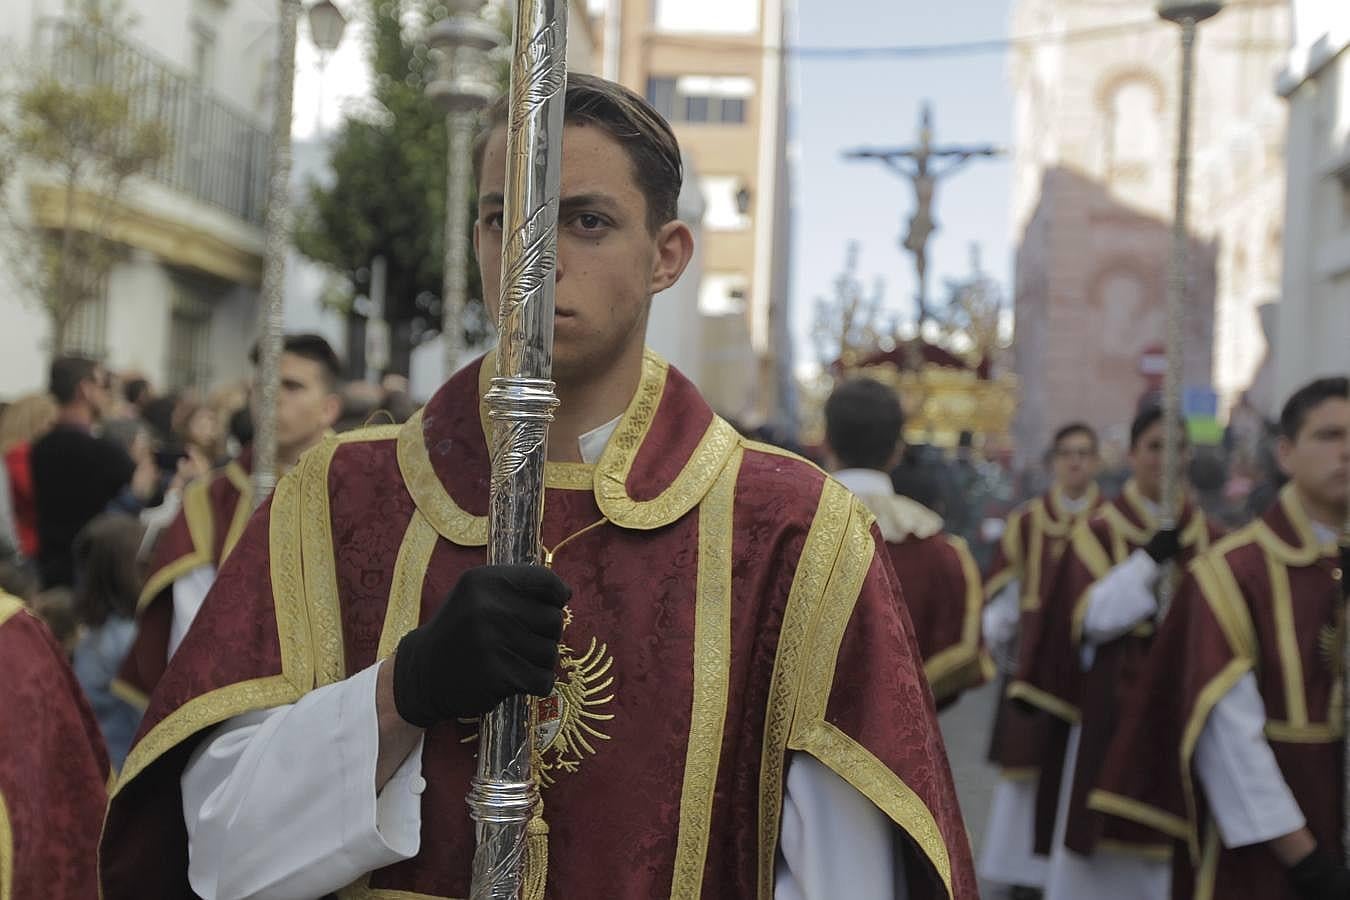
[730, 604]
[53, 768]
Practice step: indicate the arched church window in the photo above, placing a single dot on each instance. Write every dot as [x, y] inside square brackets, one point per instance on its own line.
[1133, 131]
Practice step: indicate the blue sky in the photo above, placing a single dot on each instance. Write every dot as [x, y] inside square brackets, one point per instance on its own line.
[843, 104]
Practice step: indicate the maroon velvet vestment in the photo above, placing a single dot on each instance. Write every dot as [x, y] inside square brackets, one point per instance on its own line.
[1264, 601]
[1051, 676]
[53, 767]
[730, 604]
[215, 510]
[1029, 552]
[942, 592]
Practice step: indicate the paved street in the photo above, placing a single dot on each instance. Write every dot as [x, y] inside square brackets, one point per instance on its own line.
[965, 727]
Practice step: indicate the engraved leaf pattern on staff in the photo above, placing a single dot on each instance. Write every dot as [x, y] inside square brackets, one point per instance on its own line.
[511, 856]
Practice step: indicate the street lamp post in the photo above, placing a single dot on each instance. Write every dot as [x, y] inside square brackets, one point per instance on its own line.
[326, 26]
[276, 242]
[1187, 14]
[463, 86]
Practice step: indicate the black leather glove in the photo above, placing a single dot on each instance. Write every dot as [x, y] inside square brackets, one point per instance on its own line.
[1345, 571]
[1319, 877]
[496, 635]
[1165, 544]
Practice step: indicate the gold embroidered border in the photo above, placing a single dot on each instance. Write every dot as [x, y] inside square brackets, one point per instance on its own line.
[712, 671]
[808, 585]
[1140, 506]
[682, 495]
[1152, 852]
[958, 667]
[1021, 690]
[405, 594]
[1309, 549]
[128, 694]
[1205, 702]
[243, 508]
[855, 764]
[813, 734]
[1031, 586]
[320, 566]
[1135, 811]
[1011, 544]
[1208, 872]
[201, 528]
[449, 520]
[9, 606]
[1286, 640]
[297, 669]
[1301, 734]
[6, 852]
[1094, 558]
[569, 476]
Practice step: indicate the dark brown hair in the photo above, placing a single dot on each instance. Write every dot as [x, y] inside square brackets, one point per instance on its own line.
[646, 138]
[863, 424]
[107, 568]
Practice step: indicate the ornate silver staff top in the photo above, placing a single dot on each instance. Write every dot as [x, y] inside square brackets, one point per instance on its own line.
[504, 798]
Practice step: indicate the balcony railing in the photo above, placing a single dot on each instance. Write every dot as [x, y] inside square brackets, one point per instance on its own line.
[217, 154]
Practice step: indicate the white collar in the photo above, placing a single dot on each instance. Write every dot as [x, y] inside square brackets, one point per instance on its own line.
[1074, 507]
[592, 443]
[1323, 533]
[866, 482]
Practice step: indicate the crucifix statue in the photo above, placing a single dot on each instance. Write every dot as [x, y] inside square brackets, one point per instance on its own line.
[920, 164]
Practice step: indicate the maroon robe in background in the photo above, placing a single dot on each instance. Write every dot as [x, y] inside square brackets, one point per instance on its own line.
[1266, 590]
[1051, 676]
[1033, 542]
[943, 595]
[731, 604]
[215, 510]
[53, 767]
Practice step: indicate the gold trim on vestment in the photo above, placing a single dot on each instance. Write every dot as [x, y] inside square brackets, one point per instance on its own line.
[608, 479]
[811, 732]
[1151, 852]
[425, 488]
[1220, 589]
[9, 606]
[1122, 807]
[6, 837]
[129, 695]
[808, 585]
[1021, 690]
[403, 611]
[1088, 549]
[1309, 549]
[1205, 702]
[1286, 733]
[958, 667]
[201, 530]
[243, 508]
[711, 682]
[320, 565]
[1011, 544]
[293, 637]
[1208, 873]
[1286, 642]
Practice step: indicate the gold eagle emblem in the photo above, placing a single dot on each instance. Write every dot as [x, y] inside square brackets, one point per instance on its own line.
[569, 719]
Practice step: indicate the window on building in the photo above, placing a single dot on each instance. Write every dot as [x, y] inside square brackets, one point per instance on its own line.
[717, 99]
[1134, 150]
[706, 16]
[721, 203]
[189, 335]
[722, 293]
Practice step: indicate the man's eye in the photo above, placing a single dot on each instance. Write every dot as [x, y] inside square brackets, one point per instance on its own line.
[493, 220]
[589, 221]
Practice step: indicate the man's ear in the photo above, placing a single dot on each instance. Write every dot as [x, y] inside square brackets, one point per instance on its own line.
[674, 249]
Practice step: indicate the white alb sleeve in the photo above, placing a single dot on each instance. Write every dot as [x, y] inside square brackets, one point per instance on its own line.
[189, 593]
[1244, 787]
[280, 804]
[1001, 618]
[1121, 599]
[833, 841]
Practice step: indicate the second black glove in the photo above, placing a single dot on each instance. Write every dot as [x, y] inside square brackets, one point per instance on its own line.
[1319, 877]
[1165, 544]
[496, 635]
